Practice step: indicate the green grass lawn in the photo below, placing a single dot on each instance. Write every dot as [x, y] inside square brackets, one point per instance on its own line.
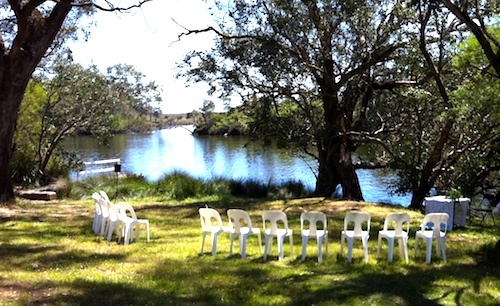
[50, 256]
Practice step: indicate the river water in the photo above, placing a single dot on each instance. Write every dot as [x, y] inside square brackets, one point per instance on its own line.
[160, 152]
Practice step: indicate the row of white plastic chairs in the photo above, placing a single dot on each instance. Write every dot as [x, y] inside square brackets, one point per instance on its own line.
[119, 219]
[313, 224]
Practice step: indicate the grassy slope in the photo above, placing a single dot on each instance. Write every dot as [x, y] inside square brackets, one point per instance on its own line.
[49, 256]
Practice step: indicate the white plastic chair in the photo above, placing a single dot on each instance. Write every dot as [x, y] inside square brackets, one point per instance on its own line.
[434, 227]
[309, 229]
[96, 224]
[358, 218]
[104, 217]
[274, 218]
[211, 223]
[238, 218]
[133, 224]
[116, 221]
[396, 227]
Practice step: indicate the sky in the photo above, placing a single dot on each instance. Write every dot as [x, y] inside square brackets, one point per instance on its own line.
[147, 39]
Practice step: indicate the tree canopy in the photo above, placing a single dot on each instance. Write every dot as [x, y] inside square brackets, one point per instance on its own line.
[67, 99]
[28, 29]
[326, 77]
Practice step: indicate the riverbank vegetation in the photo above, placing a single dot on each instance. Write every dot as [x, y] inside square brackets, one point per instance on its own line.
[50, 256]
[180, 186]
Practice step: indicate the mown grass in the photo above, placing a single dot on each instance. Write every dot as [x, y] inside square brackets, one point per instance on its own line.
[50, 256]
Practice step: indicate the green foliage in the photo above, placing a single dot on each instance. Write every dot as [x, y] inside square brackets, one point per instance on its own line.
[180, 186]
[71, 99]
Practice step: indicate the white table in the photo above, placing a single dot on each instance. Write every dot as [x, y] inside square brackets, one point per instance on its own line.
[457, 210]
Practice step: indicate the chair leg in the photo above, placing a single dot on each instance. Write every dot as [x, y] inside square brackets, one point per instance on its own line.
[365, 247]
[203, 242]
[320, 248]
[405, 248]
[428, 253]
[443, 248]
[214, 243]
[304, 247]
[401, 248]
[390, 243]
[267, 247]
[349, 249]
[281, 242]
[231, 245]
[243, 245]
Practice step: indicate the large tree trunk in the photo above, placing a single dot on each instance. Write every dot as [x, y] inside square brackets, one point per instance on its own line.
[335, 157]
[12, 89]
[8, 117]
[35, 35]
[336, 167]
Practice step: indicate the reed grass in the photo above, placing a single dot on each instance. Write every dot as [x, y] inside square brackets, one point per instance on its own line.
[50, 256]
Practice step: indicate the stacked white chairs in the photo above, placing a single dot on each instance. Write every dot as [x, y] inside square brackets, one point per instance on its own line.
[357, 232]
[104, 201]
[119, 219]
[274, 219]
[211, 223]
[96, 224]
[116, 222]
[132, 223]
[241, 225]
[396, 227]
[433, 228]
[309, 228]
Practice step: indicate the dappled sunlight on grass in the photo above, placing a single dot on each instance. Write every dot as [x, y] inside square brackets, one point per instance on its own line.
[49, 255]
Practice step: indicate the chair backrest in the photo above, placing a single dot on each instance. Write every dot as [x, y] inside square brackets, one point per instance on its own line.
[437, 222]
[104, 206]
[127, 210]
[359, 218]
[312, 218]
[208, 216]
[238, 218]
[114, 213]
[104, 195]
[400, 219]
[274, 217]
[97, 203]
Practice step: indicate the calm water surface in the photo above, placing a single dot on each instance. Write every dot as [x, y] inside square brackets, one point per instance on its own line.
[161, 152]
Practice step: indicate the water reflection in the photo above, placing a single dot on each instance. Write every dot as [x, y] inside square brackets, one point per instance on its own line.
[161, 152]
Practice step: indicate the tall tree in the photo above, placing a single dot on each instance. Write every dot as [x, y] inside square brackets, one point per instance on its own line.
[445, 136]
[305, 52]
[29, 28]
